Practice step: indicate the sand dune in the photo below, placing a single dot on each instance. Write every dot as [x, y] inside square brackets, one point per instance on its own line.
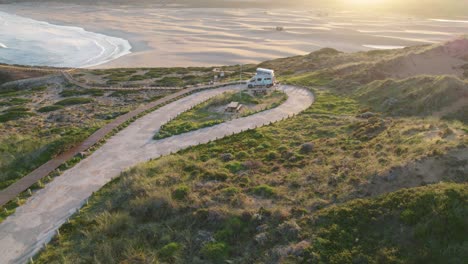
[207, 36]
[449, 58]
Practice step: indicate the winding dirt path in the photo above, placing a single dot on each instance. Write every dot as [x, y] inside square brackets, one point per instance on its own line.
[33, 224]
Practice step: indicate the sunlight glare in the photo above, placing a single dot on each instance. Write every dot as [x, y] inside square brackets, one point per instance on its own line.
[365, 2]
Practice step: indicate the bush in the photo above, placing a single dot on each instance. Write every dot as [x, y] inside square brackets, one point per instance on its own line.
[234, 167]
[150, 208]
[19, 101]
[169, 252]
[226, 157]
[271, 156]
[264, 191]
[215, 251]
[231, 191]
[14, 115]
[242, 155]
[77, 92]
[50, 108]
[74, 101]
[181, 192]
[170, 82]
[215, 176]
[39, 88]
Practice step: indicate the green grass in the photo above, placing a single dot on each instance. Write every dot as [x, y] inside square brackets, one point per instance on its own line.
[122, 93]
[23, 153]
[14, 101]
[78, 92]
[14, 115]
[422, 225]
[209, 114]
[74, 101]
[50, 108]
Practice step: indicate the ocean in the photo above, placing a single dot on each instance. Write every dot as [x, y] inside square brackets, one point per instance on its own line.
[30, 42]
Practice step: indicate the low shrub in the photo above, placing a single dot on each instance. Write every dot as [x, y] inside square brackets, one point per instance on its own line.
[77, 92]
[14, 115]
[271, 156]
[242, 155]
[264, 190]
[181, 192]
[50, 108]
[215, 251]
[170, 251]
[74, 101]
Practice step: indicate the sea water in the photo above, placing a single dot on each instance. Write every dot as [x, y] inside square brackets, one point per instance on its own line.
[30, 42]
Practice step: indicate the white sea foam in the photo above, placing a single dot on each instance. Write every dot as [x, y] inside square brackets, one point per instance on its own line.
[33, 42]
[383, 47]
[449, 20]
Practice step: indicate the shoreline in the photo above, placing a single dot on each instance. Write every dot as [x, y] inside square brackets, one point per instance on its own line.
[183, 37]
[35, 40]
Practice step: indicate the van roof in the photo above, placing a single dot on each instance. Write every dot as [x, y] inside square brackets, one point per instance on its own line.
[265, 70]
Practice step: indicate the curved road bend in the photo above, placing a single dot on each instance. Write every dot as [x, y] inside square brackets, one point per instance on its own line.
[24, 233]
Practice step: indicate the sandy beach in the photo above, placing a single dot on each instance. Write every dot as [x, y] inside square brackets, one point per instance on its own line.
[166, 37]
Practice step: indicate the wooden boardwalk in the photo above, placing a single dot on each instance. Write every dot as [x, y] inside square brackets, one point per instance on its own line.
[12, 191]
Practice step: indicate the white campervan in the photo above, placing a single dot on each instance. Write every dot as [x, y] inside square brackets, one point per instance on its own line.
[263, 78]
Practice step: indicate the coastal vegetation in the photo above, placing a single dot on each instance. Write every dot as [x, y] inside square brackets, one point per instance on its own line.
[284, 192]
[38, 122]
[212, 112]
[162, 77]
[373, 172]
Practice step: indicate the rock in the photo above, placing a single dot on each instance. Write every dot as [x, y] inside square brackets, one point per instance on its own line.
[262, 228]
[390, 102]
[393, 174]
[257, 217]
[82, 155]
[261, 238]
[204, 237]
[366, 115]
[307, 148]
[299, 248]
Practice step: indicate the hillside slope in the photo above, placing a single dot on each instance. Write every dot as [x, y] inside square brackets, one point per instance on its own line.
[286, 193]
[421, 96]
[421, 225]
[10, 73]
